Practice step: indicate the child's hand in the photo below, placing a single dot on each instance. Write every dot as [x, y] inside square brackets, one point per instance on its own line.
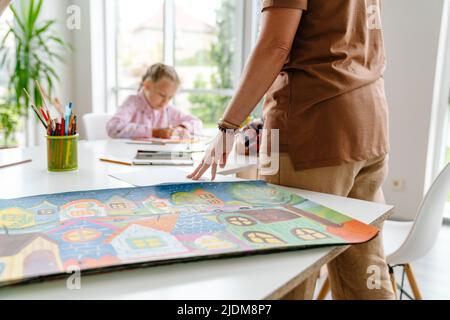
[181, 132]
[162, 133]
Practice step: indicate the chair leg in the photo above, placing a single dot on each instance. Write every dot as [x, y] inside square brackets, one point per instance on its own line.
[324, 290]
[393, 281]
[412, 282]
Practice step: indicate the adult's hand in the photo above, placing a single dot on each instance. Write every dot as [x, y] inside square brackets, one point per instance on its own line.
[216, 155]
[278, 29]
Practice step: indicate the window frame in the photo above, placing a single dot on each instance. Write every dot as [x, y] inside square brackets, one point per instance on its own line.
[440, 113]
[246, 31]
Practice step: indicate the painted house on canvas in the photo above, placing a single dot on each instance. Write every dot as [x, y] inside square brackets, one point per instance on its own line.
[84, 241]
[119, 206]
[28, 255]
[155, 205]
[82, 208]
[197, 197]
[16, 218]
[45, 213]
[273, 226]
[137, 242]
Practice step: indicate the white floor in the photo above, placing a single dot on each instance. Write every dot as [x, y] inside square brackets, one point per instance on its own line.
[432, 272]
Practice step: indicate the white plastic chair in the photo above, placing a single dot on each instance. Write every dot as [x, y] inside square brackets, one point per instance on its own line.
[95, 126]
[418, 236]
[405, 242]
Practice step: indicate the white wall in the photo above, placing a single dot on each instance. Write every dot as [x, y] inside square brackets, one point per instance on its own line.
[82, 72]
[75, 73]
[412, 29]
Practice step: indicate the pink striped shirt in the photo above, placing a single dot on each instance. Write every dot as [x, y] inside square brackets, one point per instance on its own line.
[136, 118]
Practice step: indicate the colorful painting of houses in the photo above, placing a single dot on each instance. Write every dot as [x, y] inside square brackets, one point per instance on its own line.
[137, 242]
[16, 218]
[156, 205]
[197, 197]
[45, 212]
[215, 242]
[83, 242]
[93, 230]
[273, 226]
[82, 208]
[28, 256]
[119, 206]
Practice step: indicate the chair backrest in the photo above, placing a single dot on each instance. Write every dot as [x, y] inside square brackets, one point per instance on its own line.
[95, 126]
[427, 223]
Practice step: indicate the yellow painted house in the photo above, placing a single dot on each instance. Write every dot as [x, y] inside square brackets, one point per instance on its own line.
[16, 218]
[28, 255]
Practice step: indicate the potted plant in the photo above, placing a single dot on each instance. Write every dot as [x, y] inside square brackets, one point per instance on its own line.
[35, 48]
[8, 123]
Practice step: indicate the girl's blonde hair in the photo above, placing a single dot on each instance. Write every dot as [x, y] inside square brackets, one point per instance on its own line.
[159, 71]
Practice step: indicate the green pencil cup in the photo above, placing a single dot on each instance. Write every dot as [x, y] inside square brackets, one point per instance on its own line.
[62, 153]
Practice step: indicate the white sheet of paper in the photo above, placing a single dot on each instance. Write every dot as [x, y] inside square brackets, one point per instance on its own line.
[153, 176]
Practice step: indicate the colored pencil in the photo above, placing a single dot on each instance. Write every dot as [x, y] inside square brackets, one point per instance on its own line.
[38, 115]
[58, 106]
[43, 97]
[116, 161]
[62, 127]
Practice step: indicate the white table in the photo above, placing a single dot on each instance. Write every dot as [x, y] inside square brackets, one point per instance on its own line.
[254, 277]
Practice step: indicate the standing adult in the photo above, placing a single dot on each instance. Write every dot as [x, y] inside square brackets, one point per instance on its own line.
[320, 64]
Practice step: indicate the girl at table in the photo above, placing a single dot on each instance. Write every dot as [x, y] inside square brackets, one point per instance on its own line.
[148, 114]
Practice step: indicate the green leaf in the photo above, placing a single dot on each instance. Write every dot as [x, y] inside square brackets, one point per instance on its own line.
[36, 46]
[31, 17]
[5, 38]
[36, 12]
[43, 29]
[17, 19]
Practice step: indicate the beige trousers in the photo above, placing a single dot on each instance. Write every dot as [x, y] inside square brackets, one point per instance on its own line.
[349, 272]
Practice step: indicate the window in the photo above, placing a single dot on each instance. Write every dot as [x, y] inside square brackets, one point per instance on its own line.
[117, 205]
[262, 238]
[146, 243]
[206, 40]
[308, 234]
[140, 40]
[46, 212]
[439, 149]
[240, 221]
[81, 235]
